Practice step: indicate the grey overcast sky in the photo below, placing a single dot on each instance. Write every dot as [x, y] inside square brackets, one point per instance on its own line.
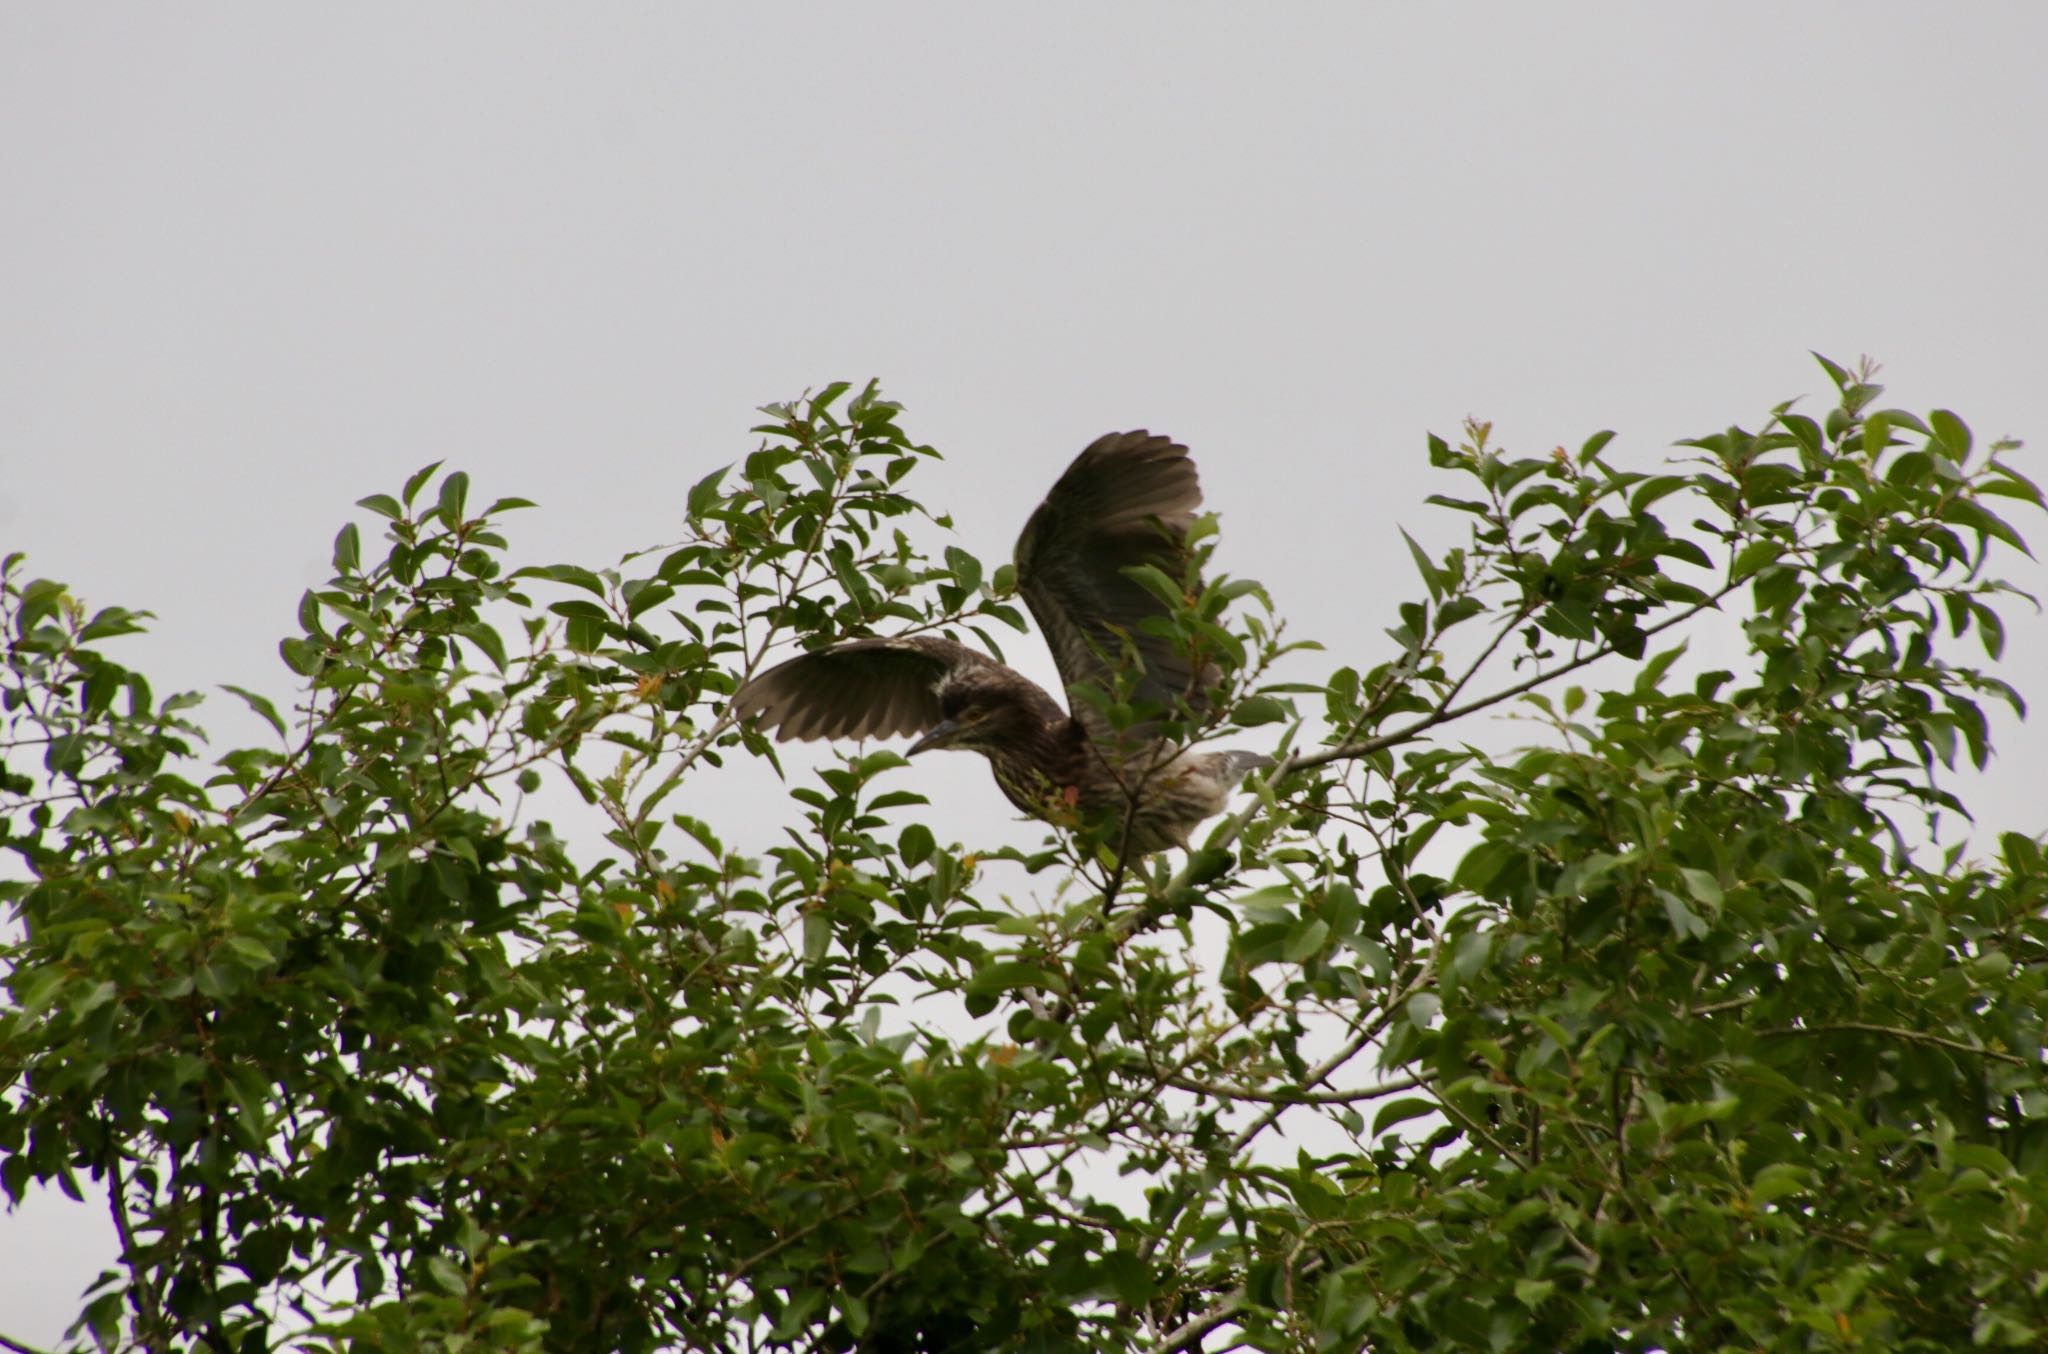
[262, 259]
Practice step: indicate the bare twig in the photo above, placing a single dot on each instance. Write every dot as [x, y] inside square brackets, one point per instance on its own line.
[1297, 1095]
[1445, 713]
[145, 1296]
[1186, 1338]
[1912, 1036]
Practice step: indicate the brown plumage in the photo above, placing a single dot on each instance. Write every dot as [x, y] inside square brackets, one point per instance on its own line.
[1128, 500]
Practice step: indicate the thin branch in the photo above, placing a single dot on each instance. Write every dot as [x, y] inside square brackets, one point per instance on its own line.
[1187, 1337]
[145, 1296]
[1715, 1008]
[1912, 1036]
[1298, 1095]
[1328, 1066]
[1514, 622]
[1445, 714]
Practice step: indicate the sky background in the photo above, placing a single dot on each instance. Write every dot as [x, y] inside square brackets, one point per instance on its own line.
[259, 260]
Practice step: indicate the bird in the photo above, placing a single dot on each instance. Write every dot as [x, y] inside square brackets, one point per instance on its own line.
[1128, 500]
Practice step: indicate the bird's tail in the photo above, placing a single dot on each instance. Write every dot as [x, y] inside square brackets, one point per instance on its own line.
[1236, 765]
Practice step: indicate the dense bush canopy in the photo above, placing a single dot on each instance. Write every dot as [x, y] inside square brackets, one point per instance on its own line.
[1683, 1026]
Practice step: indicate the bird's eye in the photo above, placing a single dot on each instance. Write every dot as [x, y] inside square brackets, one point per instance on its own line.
[972, 713]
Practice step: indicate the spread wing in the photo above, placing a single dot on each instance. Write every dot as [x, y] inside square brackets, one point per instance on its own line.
[858, 688]
[1126, 500]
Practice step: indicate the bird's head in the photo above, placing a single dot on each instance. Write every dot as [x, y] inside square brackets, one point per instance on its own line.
[982, 709]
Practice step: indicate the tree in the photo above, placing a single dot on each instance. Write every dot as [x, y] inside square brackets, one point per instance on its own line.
[1691, 1025]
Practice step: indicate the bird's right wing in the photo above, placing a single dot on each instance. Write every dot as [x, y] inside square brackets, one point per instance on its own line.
[1127, 500]
[858, 688]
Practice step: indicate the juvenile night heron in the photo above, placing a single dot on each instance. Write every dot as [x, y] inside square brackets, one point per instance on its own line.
[1127, 500]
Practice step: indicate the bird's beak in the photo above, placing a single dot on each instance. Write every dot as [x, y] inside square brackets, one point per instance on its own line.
[938, 736]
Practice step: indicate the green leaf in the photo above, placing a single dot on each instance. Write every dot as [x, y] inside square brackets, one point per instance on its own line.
[1401, 1111]
[112, 622]
[915, 844]
[566, 573]
[1256, 710]
[1304, 940]
[1754, 556]
[1651, 675]
[1839, 375]
[646, 596]
[262, 706]
[817, 936]
[823, 401]
[418, 480]
[1704, 888]
[1777, 1181]
[253, 950]
[347, 550]
[1683, 920]
[2012, 484]
[301, 657]
[447, 1276]
[454, 495]
[1128, 1277]
[966, 569]
[1158, 584]
[1951, 434]
[703, 495]
[855, 1311]
[1654, 488]
[487, 642]
[1425, 568]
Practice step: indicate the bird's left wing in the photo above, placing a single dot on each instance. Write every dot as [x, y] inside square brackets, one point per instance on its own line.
[858, 688]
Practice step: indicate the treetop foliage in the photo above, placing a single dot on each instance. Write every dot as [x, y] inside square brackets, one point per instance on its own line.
[1682, 1026]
